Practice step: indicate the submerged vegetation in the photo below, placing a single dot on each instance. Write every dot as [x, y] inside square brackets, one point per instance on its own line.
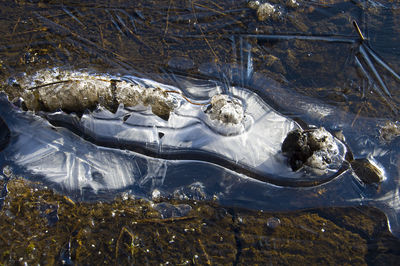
[39, 226]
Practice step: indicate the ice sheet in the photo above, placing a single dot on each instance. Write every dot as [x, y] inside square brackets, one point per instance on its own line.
[63, 160]
[194, 127]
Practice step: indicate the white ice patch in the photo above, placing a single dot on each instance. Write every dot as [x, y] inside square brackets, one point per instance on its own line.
[252, 137]
[234, 125]
[226, 109]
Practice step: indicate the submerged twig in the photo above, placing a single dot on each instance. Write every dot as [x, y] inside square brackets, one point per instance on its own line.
[64, 31]
[218, 6]
[380, 61]
[357, 115]
[122, 22]
[101, 36]
[365, 52]
[358, 31]
[49, 84]
[26, 32]
[204, 251]
[69, 200]
[218, 12]
[69, 13]
[130, 19]
[114, 22]
[15, 27]
[184, 97]
[336, 39]
[372, 83]
[166, 26]
[373, 69]
[124, 230]
[203, 35]
[166, 220]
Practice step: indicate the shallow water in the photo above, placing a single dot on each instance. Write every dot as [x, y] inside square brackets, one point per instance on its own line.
[309, 65]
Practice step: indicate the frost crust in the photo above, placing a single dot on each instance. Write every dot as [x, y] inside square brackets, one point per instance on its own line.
[226, 109]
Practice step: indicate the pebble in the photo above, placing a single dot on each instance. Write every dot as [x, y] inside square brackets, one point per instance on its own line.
[273, 222]
[367, 171]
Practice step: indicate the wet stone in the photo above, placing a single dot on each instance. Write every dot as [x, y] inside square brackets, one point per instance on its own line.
[168, 210]
[50, 212]
[295, 147]
[253, 4]
[194, 191]
[266, 11]
[7, 171]
[390, 131]
[156, 194]
[292, 3]
[367, 171]
[273, 222]
[314, 148]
